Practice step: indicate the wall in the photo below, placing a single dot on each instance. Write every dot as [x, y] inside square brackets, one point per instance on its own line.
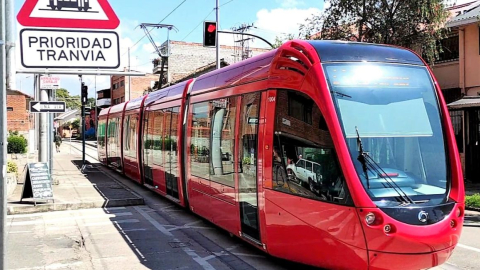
[447, 74]
[472, 59]
[187, 56]
[18, 119]
[137, 87]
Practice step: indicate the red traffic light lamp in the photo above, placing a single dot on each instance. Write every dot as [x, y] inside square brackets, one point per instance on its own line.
[209, 34]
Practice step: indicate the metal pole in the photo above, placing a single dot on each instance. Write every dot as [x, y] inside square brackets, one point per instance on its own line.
[3, 138]
[43, 149]
[83, 126]
[10, 44]
[50, 134]
[217, 45]
[129, 85]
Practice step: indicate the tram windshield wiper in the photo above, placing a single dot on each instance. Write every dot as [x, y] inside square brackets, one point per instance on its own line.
[361, 157]
[368, 163]
[341, 94]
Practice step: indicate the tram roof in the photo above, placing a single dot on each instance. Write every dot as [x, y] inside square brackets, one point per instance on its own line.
[118, 108]
[134, 103]
[344, 51]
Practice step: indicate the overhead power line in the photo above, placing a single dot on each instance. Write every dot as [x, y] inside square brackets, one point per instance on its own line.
[200, 23]
[144, 35]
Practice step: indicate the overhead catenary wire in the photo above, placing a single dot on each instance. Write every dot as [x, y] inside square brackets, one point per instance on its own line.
[144, 35]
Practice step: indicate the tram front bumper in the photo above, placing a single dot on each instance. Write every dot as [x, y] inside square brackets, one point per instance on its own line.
[404, 261]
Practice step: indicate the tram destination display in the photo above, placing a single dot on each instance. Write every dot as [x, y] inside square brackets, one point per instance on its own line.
[38, 182]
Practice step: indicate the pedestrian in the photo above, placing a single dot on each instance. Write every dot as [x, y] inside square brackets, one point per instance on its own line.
[58, 142]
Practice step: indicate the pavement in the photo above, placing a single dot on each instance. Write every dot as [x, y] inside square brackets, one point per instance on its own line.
[73, 189]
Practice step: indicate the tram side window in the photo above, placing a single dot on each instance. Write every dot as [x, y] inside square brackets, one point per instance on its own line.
[222, 114]
[101, 133]
[200, 140]
[130, 133]
[158, 128]
[304, 158]
[247, 162]
[212, 140]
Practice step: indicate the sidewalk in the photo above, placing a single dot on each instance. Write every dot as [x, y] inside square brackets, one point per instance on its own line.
[73, 189]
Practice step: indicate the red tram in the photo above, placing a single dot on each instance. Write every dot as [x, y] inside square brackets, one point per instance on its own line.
[334, 154]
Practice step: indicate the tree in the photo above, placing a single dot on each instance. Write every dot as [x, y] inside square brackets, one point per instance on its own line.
[414, 24]
[72, 102]
[279, 40]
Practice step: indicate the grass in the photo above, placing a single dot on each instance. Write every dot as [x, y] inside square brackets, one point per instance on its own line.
[473, 200]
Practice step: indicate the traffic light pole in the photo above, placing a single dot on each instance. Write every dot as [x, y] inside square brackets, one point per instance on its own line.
[217, 43]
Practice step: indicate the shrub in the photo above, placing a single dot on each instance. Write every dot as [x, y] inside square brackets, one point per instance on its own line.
[16, 144]
[473, 200]
[12, 167]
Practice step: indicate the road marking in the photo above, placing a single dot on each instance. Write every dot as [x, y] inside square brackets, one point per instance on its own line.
[53, 266]
[56, 220]
[468, 247]
[62, 213]
[201, 261]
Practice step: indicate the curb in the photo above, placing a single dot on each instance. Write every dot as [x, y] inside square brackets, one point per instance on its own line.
[48, 207]
[472, 208]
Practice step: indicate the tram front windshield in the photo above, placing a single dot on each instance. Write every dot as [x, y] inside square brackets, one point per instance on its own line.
[391, 120]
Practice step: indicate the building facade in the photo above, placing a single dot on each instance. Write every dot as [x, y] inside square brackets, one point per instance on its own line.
[19, 117]
[124, 88]
[458, 75]
[187, 57]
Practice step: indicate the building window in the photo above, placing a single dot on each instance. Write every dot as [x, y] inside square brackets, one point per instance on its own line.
[449, 48]
[123, 99]
[122, 83]
[300, 108]
[457, 123]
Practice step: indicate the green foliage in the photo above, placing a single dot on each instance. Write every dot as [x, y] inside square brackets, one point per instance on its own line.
[72, 102]
[12, 167]
[414, 24]
[279, 40]
[247, 160]
[473, 200]
[17, 144]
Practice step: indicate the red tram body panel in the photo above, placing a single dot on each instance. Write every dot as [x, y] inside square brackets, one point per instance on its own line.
[314, 152]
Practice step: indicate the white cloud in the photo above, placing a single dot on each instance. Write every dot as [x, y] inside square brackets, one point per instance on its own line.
[275, 22]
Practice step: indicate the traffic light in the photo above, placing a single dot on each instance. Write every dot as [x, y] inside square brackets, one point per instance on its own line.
[84, 93]
[209, 34]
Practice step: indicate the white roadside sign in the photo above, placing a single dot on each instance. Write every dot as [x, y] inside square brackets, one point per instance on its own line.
[52, 48]
[49, 82]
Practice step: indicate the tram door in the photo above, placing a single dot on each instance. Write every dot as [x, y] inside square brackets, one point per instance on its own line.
[170, 151]
[147, 145]
[247, 169]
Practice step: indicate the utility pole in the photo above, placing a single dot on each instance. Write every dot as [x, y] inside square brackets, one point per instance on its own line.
[244, 47]
[3, 138]
[83, 100]
[10, 44]
[217, 45]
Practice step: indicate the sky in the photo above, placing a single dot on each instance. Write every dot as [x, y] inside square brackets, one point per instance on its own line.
[270, 17]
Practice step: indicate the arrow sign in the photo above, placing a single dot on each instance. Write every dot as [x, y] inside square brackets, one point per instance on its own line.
[47, 106]
[93, 14]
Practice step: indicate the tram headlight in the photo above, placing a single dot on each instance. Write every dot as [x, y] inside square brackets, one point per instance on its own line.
[370, 218]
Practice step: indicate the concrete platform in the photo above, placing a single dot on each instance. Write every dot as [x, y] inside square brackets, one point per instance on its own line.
[73, 189]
